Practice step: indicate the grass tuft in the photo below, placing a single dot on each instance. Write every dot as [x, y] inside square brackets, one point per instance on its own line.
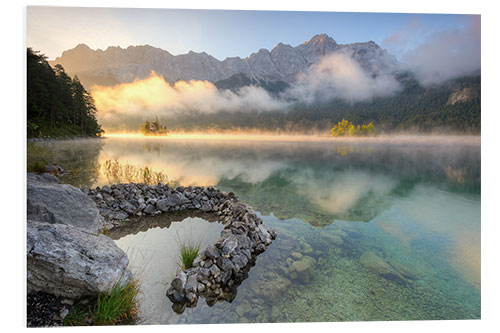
[118, 306]
[189, 252]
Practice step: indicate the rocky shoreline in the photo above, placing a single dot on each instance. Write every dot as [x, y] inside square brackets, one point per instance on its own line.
[70, 258]
[221, 266]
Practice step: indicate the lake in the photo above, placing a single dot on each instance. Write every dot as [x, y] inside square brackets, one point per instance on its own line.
[390, 227]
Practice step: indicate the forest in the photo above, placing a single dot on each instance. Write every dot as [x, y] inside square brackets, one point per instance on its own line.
[415, 108]
[57, 105]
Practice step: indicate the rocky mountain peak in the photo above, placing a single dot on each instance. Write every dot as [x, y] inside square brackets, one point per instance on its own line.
[282, 63]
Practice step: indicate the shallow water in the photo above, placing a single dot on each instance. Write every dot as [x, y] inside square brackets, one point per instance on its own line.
[413, 205]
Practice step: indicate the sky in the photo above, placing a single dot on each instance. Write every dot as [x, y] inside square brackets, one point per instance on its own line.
[224, 33]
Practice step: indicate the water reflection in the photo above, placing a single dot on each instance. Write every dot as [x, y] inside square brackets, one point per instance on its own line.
[420, 204]
[154, 255]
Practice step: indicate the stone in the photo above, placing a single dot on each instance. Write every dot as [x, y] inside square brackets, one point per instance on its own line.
[229, 244]
[192, 283]
[379, 266]
[212, 252]
[107, 189]
[225, 264]
[239, 261]
[243, 308]
[179, 283]
[304, 268]
[119, 215]
[214, 270]
[149, 209]
[51, 202]
[175, 296]
[296, 255]
[127, 207]
[406, 271]
[70, 262]
[172, 200]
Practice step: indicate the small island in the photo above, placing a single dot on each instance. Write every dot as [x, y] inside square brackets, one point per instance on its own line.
[153, 128]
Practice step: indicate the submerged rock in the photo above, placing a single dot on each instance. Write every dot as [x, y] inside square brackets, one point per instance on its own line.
[379, 266]
[70, 262]
[303, 268]
[51, 202]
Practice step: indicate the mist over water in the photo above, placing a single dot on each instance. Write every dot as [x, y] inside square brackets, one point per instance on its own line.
[414, 202]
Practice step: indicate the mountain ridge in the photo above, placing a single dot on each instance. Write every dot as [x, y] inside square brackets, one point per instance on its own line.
[281, 64]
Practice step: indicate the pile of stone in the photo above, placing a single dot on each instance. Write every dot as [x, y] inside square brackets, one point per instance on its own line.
[120, 201]
[221, 265]
[224, 263]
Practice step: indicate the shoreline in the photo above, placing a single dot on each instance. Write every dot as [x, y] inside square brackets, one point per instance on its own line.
[392, 139]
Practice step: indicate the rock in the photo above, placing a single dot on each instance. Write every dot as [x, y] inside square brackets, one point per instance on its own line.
[172, 200]
[243, 308]
[406, 271]
[212, 252]
[206, 207]
[149, 209]
[296, 255]
[333, 238]
[239, 261]
[225, 264]
[175, 296]
[119, 215]
[107, 189]
[192, 283]
[70, 262]
[179, 283]
[303, 268]
[127, 207]
[379, 266]
[229, 244]
[273, 289]
[48, 201]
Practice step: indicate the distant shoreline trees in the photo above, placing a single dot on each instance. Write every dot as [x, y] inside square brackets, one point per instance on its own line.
[153, 128]
[346, 128]
[56, 104]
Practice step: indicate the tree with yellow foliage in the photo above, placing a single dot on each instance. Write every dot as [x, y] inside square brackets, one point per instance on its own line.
[347, 128]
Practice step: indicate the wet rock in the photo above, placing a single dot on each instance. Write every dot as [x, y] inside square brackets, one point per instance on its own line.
[296, 255]
[225, 264]
[304, 268]
[149, 209]
[239, 261]
[179, 282]
[175, 296]
[406, 271]
[192, 283]
[70, 262]
[273, 289]
[379, 266]
[243, 308]
[229, 244]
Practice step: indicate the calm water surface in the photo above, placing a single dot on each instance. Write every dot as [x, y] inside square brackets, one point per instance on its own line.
[351, 208]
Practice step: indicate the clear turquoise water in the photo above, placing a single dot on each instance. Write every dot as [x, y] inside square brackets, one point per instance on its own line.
[415, 206]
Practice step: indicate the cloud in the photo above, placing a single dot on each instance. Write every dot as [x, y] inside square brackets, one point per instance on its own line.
[335, 76]
[339, 76]
[442, 55]
[155, 96]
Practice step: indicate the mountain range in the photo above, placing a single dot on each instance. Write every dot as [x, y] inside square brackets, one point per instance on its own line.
[280, 65]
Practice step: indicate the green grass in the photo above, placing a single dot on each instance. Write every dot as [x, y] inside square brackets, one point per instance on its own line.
[119, 306]
[189, 252]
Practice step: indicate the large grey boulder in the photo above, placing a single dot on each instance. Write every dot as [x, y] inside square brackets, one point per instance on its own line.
[51, 202]
[70, 262]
